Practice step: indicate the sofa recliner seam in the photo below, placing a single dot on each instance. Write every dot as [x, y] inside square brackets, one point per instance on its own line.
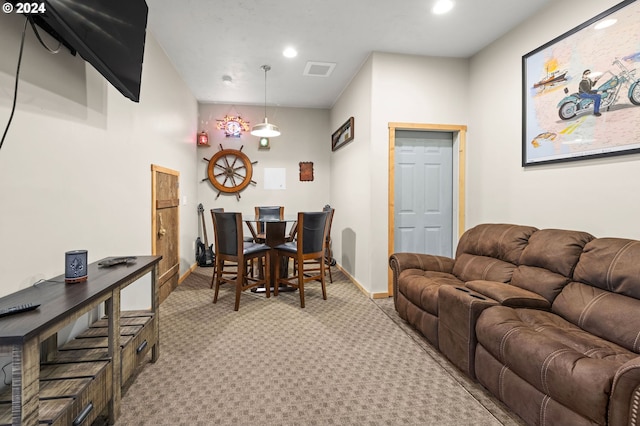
[544, 368]
[488, 268]
[503, 342]
[587, 309]
[614, 262]
[543, 409]
[501, 241]
[503, 371]
[635, 406]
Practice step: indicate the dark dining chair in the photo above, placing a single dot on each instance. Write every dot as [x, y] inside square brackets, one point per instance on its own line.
[214, 210]
[328, 252]
[265, 212]
[329, 261]
[231, 247]
[307, 252]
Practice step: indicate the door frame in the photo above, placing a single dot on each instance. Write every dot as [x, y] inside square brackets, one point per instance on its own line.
[459, 135]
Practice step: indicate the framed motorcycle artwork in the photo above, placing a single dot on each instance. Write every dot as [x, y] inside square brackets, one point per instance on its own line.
[581, 91]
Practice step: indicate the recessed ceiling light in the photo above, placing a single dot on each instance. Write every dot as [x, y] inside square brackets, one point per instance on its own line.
[226, 79]
[442, 6]
[604, 24]
[290, 52]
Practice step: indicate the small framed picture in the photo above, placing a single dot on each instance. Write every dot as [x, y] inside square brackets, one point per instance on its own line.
[343, 135]
[306, 171]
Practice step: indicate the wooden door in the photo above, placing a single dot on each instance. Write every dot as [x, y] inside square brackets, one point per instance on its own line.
[165, 230]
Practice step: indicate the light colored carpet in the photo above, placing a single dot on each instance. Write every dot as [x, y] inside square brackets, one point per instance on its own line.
[347, 360]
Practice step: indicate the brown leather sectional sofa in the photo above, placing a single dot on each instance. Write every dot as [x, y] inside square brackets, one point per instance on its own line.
[547, 320]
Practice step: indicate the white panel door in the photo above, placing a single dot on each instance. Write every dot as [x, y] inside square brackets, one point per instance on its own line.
[423, 217]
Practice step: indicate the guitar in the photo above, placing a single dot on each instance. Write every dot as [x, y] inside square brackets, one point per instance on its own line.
[204, 251]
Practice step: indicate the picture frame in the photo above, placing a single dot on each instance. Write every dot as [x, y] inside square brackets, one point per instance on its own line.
[559, 123]
[343, 135]
[306, 171]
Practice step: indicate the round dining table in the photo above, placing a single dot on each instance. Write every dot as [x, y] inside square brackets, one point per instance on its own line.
[274, 230]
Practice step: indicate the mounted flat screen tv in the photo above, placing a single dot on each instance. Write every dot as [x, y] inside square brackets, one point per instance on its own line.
[108, 34]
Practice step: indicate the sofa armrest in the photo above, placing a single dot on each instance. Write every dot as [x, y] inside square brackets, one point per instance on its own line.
[509, 295]
[427, 262]
[625, 394]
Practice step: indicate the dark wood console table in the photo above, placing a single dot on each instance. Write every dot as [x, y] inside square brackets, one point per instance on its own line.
[30, 336]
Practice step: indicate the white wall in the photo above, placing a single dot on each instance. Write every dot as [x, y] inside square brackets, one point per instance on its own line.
[351, 173]
[389, 88]
[75, 167]
[599, 196]
[305, 137]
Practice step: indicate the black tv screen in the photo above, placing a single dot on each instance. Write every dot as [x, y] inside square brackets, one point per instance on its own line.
[109, 34]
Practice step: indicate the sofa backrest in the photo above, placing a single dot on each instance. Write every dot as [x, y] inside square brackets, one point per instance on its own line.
[604, 298]
[548, 261]
[490, 251]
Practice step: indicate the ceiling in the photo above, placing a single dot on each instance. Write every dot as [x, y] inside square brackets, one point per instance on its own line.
[207, 40]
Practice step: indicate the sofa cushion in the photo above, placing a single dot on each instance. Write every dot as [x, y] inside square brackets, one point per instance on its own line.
[611, 264]
[509, 295]
[490, 251]
[533, 406]
[495, 240]
[421, 287]
[539, 280]
[553, 355]
[548, 261]
[557, 250]
[608, 315]
[470, 267]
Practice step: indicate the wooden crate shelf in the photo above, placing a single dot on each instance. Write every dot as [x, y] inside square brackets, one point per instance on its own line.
[69, 392]
[84, 377]
[137, 336]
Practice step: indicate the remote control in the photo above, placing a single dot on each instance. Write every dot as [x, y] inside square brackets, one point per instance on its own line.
[17, 309]
[117, 260]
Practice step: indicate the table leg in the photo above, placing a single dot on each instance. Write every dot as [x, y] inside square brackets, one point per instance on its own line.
[112, 308]
[25, 383]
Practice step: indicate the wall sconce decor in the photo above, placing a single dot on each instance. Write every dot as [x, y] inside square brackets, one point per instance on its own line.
[233, 126]
[203, 139]
[263, 143]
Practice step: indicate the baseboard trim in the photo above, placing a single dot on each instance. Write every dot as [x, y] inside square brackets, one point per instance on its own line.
[360, 287]
[186, 274]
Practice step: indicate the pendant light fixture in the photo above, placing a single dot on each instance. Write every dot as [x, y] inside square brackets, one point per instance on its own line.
[266, 129]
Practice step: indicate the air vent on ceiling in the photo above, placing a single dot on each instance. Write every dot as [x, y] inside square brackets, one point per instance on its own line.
[319, 69]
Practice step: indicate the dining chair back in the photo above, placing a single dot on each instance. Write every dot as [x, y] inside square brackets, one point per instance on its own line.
[231, 247]
[266, 212]
[307, 252]
[214, 210]
[328, 252]
[312, 235]
[270, 211]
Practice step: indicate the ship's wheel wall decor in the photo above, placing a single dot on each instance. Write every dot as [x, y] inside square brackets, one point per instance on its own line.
[230, 171]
